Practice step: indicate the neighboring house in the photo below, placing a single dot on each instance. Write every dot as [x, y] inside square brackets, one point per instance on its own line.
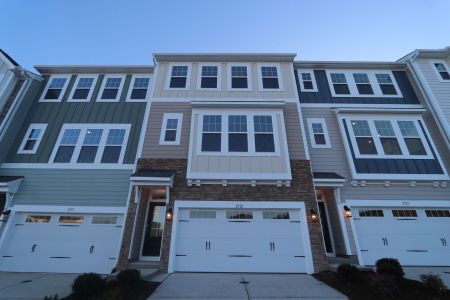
[379, 162]
[431, 69]
[74, 151]
[223, 183]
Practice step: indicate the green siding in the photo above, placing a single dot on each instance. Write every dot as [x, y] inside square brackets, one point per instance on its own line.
[57, 114]
[71, 187]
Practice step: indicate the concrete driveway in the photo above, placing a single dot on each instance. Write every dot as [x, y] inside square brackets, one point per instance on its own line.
[243, 286]
[32, 286]
[415, 272]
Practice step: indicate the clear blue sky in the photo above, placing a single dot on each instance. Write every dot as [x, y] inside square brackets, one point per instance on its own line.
[128, 31]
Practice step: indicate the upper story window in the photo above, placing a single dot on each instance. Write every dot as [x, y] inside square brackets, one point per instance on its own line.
[388, 138]
[111, 89]
[209, 77]
[363, 136]
[83, 88]
[363, 84]
[340, 83]
[179, 77]
[54, 90]
[171, 129]
[386, 85]
[318, 133]
[138, 89]
[443, 70]
[32, 139]
[91, 143]
[308, 81]
[237, 133]
[212, 133]
[269, 77]
[412, 138]
[264, 139]
[239, 77]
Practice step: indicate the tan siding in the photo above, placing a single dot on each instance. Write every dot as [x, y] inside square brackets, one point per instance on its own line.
[293, 132]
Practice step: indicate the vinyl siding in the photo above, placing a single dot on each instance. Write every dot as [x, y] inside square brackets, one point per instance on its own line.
[71, 187]
[293, 132]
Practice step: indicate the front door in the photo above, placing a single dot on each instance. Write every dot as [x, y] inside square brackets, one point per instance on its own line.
[325, 227]
[154, 230]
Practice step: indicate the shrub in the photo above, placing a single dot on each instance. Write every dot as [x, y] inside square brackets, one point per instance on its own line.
[128, 278]
[88, 285]
[433, 283]
[55, 297]
[383, 285]
[390, 266]
[348, 272]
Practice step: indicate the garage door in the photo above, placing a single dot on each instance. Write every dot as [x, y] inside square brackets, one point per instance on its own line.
[240, 240]
[415, 236]
[40, 242]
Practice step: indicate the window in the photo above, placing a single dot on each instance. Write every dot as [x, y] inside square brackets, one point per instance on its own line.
[32, 139]
[363, 137]
[264, 139]
[276, 215]
[239, 77]
[442, 70]
[318, 133]
[112, 88]
[411, 137]
[138, 88]
[269, 77]
[171, 129]
[178, 77]
[54, 91]
[84, 86]
[371, 213]
[237, 133]
[71, 220]
[388, 138]
[209, 77]
[340, 83]
[37, 219]
[386, 85]
[212, 133]
[437, 213]
[308, 81]
[239, 214]
[202, 214]
[91, 143]
[104, 220]
[404, 213]
[363, 84]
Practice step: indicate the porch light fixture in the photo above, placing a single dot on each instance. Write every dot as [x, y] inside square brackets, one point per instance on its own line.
[313, 214]
[347, 212]
[4, 215]
[169, 213]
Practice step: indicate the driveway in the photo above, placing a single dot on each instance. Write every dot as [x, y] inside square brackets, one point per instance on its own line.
[243, 286]
[32, 286]
[415, 272]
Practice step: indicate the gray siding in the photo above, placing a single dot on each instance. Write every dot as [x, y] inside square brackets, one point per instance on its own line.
[71, 187]
[293, 132]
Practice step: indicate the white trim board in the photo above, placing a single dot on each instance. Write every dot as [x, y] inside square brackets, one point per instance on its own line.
[67, 166]
[69, 209]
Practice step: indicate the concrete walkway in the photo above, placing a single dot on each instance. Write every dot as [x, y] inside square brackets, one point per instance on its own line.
[243, 286]
[32, 286]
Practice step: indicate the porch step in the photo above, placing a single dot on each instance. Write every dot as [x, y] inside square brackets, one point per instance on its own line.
[141, 265]
[333, 267]
[342, 260]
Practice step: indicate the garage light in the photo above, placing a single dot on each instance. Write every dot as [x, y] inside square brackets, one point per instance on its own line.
[313, 214]
[169, 213]
[347, 212]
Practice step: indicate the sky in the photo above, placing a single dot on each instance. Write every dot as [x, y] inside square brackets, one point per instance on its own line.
[127, 32]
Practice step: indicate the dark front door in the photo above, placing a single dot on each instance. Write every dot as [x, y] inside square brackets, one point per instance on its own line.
[325, 227]
[154, 230]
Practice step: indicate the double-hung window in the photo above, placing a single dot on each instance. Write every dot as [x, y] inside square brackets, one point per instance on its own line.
[212, 133]
[412, 138]
[386, 84]
[178, 77]
[363, 136]
[171, 129]
[90, 145]
[269, 77]
[239, 77]
[32, 139]
[237, 133]
[318, 133]
[84, 86]
[308, 81]
[388, 138]
[363, 84]
[54, 91]
[340, 84]
[67, 146]
[209, 77]
[112, 88]
[114, 146]
[442, 70]
[138, 88]
[264, 137]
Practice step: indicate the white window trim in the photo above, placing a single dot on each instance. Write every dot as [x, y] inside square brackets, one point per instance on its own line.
[91, 90]
[63, 90]
[101, 146]
[119, 92]
[250, 132]
[441, 61]
[311, 121]
[42, 127]
[313, 79]
[249, 77]
[167, 116]
[188, 76]
[377, 93]
[199, 76]
[130, 88]
[280, 77]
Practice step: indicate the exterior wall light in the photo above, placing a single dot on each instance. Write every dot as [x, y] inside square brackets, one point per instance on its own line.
[4, 215]
[169, 213]
[347, 212]
[313, 214]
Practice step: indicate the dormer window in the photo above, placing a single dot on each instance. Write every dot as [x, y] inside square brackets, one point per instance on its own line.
[209, 77]
[386, 85]
[363, 84]
[269, 77]
[178, 77]
[340, 83]
[442, 70]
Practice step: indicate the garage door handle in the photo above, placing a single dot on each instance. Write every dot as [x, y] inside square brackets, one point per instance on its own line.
[92, 249]
[444, 242]
[207, 245]
[385, 242]
[33, 247]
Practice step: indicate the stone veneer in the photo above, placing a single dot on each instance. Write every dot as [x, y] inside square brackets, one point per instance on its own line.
[301, 189]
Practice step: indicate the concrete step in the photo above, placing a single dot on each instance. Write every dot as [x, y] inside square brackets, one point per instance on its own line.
[333, 267]
[144, 265]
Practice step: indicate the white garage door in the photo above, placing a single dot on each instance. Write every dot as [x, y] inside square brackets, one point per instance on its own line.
[240, 240]
[42, 242]
[415, 236]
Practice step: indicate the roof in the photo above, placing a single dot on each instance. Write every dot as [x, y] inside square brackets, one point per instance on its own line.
[217, 57]
[9, 58]
[327, 175]
[349, 65]
[154, 173]
[427, 53]
[6, 179]
[64, 69]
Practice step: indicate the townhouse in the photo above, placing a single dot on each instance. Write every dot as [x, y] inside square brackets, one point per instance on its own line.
[379, 161]
[73, 152]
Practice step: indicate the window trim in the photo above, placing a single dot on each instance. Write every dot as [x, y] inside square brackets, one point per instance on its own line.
[377, 93]
[63, 90]
[322, 121]
[130, 88]
[91, 90]
[260, 77]
[101, 146]
[313, 79]
[166, 117]
[440, 61]
[42, 127]
[199, 76]
[249, 77]
[119, 92]
[188, 76]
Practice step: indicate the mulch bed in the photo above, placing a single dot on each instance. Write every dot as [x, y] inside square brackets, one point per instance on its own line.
[361, 289]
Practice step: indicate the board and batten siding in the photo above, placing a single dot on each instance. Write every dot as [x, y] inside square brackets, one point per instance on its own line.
[288, 91]
[59, 113]
[71, 187]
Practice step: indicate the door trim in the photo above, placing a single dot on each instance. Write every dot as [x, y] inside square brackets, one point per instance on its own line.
[149, 258]
[327, 215]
